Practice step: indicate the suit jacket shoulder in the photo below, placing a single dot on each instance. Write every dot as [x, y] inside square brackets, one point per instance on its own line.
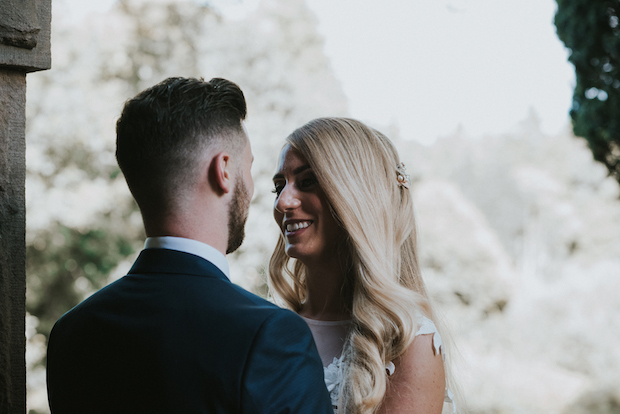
[174, 335]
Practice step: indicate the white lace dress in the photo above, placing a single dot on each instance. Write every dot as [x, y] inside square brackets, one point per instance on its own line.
[330, 337]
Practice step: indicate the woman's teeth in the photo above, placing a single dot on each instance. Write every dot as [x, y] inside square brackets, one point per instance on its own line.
[297, 226]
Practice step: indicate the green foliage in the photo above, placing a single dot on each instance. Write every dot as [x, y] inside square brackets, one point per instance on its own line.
[591, 30]
[65, 264]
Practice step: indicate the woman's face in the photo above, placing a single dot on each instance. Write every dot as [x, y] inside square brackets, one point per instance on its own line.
[302, 211]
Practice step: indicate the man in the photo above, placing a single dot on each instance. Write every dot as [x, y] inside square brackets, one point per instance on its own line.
[175, 335]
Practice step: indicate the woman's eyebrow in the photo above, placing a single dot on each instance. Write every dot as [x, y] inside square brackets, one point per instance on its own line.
[295, 171]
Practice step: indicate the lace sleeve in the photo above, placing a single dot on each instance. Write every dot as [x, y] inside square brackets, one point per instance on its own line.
[428, 327]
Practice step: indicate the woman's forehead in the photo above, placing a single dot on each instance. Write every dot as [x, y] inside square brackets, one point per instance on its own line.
[290, 159]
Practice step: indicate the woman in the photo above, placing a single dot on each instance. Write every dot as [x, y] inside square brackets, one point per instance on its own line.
[345, 212]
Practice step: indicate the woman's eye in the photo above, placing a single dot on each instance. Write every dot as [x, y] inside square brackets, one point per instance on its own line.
[277, 188]
[307, 183]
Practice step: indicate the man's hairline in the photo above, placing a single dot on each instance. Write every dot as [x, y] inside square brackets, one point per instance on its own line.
[231, 141]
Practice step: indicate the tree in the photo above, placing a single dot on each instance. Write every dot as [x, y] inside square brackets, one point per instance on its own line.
[590, 30]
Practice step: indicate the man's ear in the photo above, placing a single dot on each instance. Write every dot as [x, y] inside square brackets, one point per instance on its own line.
[220, 173]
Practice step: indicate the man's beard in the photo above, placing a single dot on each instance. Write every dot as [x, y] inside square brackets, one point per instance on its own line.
[237, 216]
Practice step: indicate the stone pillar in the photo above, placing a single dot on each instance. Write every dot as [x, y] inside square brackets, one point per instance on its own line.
[24, 47]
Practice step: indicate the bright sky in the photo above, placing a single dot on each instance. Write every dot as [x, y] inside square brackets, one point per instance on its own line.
[429, 66]
[432, 65]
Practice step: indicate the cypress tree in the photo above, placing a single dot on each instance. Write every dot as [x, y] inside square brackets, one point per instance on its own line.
[591, 31]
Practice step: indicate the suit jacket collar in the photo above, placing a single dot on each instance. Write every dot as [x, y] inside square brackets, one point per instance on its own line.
[191, 246]
[165, 261]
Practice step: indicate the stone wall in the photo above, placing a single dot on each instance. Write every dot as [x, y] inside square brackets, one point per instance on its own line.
[12, 240]
[24, 47]
[25, 34]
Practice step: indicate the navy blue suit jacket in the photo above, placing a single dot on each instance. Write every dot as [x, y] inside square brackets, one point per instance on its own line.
[176, 336]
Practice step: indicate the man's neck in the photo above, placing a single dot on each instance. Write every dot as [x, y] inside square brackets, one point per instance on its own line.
[191, 246]
[210, 230]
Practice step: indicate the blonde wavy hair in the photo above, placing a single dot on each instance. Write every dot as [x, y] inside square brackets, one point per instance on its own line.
[356, 168]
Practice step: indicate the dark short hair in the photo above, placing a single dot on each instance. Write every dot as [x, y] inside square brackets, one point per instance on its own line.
[164, 129]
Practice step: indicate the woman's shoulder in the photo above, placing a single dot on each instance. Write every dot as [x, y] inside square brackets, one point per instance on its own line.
[417, 379]
[427, 327]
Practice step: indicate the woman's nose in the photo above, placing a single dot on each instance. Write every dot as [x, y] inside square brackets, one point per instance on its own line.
[288, 199]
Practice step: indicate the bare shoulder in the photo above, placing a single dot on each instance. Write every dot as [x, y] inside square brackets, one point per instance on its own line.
[418, 383]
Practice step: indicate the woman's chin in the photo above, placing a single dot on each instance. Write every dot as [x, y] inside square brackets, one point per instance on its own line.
[291, 252]
[294, 252]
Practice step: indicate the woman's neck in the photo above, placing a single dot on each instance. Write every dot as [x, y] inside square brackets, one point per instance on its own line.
[325, 296]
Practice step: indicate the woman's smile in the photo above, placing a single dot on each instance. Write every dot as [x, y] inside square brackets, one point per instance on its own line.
[293, 228]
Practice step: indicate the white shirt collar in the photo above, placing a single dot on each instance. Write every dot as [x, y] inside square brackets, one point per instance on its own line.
[190, 246]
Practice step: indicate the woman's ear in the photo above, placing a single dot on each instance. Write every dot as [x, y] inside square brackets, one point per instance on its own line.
[220, 173]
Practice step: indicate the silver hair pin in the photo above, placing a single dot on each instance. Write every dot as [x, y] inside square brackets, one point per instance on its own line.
[404, 180]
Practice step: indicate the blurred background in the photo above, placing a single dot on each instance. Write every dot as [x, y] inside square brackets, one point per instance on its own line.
[519, 226]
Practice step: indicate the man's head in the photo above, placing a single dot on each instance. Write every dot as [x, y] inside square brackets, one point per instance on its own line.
[164, 135]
